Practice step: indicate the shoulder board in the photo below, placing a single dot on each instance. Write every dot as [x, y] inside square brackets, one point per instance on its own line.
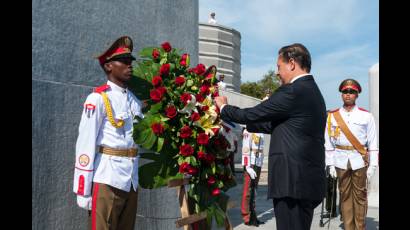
[332, 111]
[363, 110]
[102, 88]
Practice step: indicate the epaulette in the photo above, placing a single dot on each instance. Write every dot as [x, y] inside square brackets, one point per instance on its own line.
[332, 111]
[102, 88]
[363, 110]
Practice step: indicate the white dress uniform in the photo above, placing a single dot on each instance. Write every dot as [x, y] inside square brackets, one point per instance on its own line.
[222, 85]
[96, 130]
[361, 123]
[228, 131]
[251, 142]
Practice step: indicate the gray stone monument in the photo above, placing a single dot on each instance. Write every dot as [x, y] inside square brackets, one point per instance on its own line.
[65, 37]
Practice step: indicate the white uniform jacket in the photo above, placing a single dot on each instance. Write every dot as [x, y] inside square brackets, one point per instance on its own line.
[361, 124]
[96, 130]
[251, 142]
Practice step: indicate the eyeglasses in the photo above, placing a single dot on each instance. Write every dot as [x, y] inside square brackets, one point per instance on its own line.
[349, 91]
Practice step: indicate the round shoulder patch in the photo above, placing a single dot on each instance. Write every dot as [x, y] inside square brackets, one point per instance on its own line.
[245, 149]
[84, 160]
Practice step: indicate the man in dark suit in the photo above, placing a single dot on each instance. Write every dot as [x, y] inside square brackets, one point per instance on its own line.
[295, 116]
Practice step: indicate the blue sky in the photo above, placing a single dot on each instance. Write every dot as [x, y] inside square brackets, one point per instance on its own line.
[341, 35]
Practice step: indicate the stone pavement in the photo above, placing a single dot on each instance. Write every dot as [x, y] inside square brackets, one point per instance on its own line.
[264, 209]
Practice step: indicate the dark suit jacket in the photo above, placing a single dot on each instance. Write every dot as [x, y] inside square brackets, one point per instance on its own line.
[295, 116]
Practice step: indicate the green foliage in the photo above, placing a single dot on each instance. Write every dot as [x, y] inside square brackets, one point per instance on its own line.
[167, 161]
[259, 89]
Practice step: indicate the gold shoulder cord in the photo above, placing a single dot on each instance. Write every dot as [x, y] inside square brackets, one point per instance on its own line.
[334, 134]
[120, 122]
[255, 138]
[329, 129]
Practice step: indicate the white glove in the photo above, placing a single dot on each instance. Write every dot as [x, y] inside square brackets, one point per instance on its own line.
[84, 202]
[251, 172]
[370, 171]
[332, 171]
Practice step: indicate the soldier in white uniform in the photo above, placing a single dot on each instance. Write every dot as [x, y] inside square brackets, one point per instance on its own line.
[351, 153]
[252, 160]
[229, 131]
[106, 163]
[221, 83]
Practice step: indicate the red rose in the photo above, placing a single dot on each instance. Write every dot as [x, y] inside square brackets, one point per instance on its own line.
[179, 80]
[216, 131]
[205, 108]
[200, 69]
[164, 70]
[204, 89]
[209, 76]
[202, 139]
[209, 158]
[185, 97]
[162, 89]
[156, 95]
[192, 170]
[215, 94]
[199, 98]
[186, 150]
[183, 61]
[185, 132]
[211, 180]
[216, 192]
[171, 111]
[166, 46]
[157, 128]
[157, 81]
[183, 168]
[201, 155]
[155, 53]
[190, 70]
[195, 116]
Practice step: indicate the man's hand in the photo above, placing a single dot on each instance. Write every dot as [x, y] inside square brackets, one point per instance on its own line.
[84, 202]
[251, 172]
[221, 100]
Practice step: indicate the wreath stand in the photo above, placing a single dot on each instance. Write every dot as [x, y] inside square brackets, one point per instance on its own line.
[187, 218]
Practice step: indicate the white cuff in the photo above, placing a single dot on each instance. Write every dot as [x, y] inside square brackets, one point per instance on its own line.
[83, 181]
[222, 106]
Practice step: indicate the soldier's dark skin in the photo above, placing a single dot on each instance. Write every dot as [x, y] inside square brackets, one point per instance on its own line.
[119, 71]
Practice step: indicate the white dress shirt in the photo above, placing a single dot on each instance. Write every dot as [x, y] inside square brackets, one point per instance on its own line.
[96, 130]
[361, 123]
[299, 76]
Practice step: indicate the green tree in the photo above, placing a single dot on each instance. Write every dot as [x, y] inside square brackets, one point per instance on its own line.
[268, 84]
